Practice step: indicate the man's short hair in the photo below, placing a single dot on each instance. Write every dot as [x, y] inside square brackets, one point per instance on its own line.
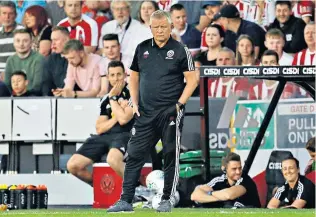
[111, 37]
[283, 2]
[62, 29]
[230, 157]
[116, 63]
[275, 33]
[160, 14]
[176, 7]
[73, 45]
[20, 73]
[310, 145]
[81, 1]
[9, 4]
[270, 53]
[294, 159]
[22, 31]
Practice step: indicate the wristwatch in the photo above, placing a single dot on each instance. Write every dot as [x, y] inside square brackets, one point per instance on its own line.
[114, 98]
[181, 106]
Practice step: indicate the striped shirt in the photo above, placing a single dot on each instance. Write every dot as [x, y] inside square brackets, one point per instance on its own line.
[304, 58]
[85, 31]
[6, 46]
[303, 189]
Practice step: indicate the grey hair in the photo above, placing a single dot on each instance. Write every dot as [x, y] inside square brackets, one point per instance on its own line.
[228, 50]
[8, 4]
[159, 14]
[113, 2]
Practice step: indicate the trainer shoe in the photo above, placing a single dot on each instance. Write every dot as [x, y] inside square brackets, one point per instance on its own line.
[164, 206]
[120, 206]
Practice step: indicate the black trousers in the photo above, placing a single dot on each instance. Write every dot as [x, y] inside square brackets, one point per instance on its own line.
[165, 124]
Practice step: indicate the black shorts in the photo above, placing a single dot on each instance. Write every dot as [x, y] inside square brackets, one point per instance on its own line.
[98, 145]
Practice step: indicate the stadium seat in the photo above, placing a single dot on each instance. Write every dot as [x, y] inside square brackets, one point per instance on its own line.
[274, 176]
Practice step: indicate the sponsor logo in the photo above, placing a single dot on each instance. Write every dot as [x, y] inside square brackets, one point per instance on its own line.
[146, 54]
[172, 123]
[231, 71]
[170, 55]
[275, 166]
[107, 184]
[270, 71]
[291, 71]
[212, 71]
[251, 71]
[309, 71]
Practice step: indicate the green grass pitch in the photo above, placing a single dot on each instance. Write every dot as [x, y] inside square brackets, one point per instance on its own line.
[175, 213]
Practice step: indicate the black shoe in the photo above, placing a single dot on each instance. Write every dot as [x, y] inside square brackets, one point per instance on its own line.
[164, 206]
[120, 206]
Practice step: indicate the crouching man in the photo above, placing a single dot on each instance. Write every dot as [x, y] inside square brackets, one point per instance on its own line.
[113, 127]
[297, 192]
[232, 189]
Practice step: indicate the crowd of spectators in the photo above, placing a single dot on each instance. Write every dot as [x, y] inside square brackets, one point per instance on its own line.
[62, 48]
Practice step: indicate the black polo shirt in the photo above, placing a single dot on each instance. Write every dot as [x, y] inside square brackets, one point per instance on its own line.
[304, 189]
[54, 73]
[250, 198]
[161, 72]
[248, 28]
[106, 110]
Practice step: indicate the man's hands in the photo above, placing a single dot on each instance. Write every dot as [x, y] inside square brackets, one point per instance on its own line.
[117, 89]
[67, 93]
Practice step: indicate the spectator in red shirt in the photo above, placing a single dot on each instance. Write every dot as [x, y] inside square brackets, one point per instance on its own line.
[80, 26]
[307, 56]
[302, 9]
[265, 89]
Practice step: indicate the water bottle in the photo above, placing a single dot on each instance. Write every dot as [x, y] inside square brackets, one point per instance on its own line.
[42, 197]
[31, 197]
[4, 194]
[20, 197]
[12, 190]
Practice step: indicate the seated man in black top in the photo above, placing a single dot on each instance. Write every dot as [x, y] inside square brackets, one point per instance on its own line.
[232, 189]
[113, 127]
[297, 192]
[19, 84]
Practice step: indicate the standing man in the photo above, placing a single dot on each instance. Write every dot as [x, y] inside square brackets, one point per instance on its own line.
[7, 17]
[158, 94]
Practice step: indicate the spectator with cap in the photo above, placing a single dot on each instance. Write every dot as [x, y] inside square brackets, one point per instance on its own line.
[130, 31]
[291, 26]
[7, 17]
[275, 41]
[211, 8]
[80, 26]
[184, 32]
[236, 26]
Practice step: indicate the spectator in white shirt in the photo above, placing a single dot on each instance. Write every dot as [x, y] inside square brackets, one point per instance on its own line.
[130, 31]
[275, 41]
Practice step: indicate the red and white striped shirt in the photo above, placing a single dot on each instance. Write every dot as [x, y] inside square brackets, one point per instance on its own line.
[217, 88]
[304, 58]
[165, 5]
[86, 30]
[264, 92]
[303, 9]
[265, 18]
